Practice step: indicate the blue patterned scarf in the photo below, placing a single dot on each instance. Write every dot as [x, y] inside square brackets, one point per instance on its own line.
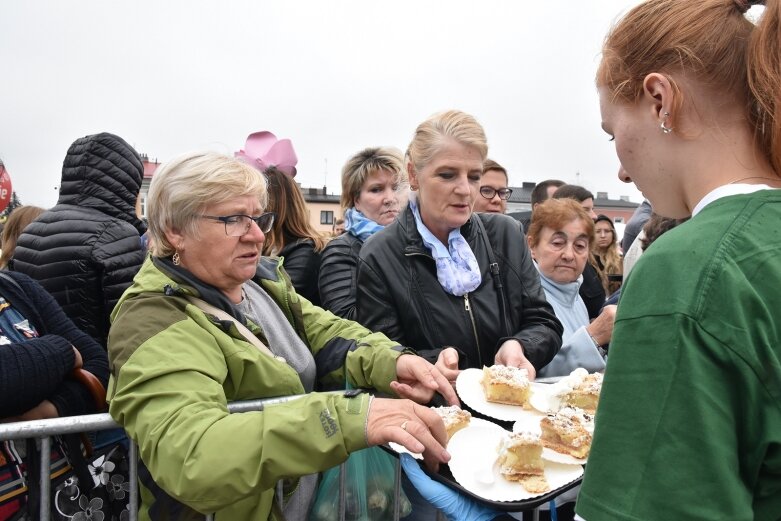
[457, 269]
[360, 226]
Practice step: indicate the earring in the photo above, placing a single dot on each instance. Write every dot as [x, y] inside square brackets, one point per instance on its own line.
[665, 129]
[176, 259]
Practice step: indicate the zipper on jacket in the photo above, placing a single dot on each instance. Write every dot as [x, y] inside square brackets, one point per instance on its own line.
[468, 308]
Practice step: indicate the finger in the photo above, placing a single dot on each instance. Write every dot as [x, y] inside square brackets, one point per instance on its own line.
[416, 394]
[423, 373]
[445, 388]
[451, 358]
[434, 451]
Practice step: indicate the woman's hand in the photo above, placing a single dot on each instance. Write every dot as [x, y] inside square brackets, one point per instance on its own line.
[447, 364]
[418, 380]
[414, 426]
[511, 354]
[601, 329]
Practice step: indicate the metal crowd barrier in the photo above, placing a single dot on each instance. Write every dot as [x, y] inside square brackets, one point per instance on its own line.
[45, 429]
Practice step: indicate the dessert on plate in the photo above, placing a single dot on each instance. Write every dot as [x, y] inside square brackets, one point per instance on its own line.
[580, 389]
[508, 385]
[454, 418]
[520, 459]
[569, 431]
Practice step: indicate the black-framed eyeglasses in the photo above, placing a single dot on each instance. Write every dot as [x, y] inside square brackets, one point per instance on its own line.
[239, 224]
[489, 193]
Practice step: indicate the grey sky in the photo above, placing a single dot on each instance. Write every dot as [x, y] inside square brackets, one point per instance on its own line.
[333, 76]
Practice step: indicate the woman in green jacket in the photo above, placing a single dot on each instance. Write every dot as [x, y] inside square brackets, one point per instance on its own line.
[178, 356]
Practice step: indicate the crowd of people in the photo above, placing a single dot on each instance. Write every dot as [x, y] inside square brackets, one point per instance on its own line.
[226, 292]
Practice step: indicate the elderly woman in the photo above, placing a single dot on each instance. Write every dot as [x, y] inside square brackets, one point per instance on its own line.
[208, 321]
[559, 237]
[371, 184]
[442, 276]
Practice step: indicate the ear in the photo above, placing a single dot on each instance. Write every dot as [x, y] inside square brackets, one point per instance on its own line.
[531, 248]
[658, 95]
[413, 177]
[175, 239]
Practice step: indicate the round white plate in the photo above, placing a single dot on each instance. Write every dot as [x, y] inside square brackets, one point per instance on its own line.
[533, 425]
[470, 390]
[473, 452]
[479, 422]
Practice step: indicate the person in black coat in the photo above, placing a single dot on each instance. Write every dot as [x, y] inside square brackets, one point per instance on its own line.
[373, 182]
[41, 348]
[86, 250]
[459, 287]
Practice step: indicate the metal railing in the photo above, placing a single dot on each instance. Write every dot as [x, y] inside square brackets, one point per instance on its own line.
[44, 430]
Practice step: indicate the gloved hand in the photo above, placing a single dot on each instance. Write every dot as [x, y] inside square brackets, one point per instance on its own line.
[455, 506]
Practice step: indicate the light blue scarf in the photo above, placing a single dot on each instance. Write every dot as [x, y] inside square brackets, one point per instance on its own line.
[457, 269]
[360, 226]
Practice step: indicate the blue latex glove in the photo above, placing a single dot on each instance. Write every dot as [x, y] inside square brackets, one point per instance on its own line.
[455, 506]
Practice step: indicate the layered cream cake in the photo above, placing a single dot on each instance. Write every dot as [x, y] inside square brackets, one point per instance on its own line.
[454, 418]
[508, 385]
[520, 459]
[568, 431]
[581, 389]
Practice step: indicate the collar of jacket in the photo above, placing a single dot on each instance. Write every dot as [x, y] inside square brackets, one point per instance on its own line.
[567, 293]
[189, 283]
[414, 242]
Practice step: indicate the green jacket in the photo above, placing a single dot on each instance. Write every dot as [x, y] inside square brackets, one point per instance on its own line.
[174, 369]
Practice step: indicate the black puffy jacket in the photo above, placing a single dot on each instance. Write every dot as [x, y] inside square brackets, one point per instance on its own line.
[86, 250]
[399, 294]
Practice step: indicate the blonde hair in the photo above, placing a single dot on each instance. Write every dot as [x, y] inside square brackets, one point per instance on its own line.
[17, 221]
[431, 135]
[183, 187]
[360, 166]
[710, 41]
[292, 221]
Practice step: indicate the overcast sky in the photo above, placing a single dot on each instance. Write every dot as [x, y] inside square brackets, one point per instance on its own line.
[333, 76]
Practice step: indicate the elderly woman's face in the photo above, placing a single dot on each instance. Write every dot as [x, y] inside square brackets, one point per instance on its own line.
[378, 199]
[447, 187]
[223, 261]
[562, 253]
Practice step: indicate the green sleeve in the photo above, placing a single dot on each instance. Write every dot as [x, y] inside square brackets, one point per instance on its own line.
[337, 343]
[170, 398]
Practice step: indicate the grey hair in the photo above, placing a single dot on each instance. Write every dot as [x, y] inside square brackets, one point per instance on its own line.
[183, 187]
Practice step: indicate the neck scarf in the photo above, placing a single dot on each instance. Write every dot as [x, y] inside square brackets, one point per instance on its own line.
[457, 269]
[360, 226]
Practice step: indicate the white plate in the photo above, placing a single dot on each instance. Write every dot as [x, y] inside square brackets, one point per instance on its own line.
[479, 422]
[473, 452]
[470, 390]
[533, 425]
[544, 398]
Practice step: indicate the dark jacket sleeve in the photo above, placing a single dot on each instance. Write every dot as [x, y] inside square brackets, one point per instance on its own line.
[70, 397]
[540, 331]
[592, 292]
[375, 309]
[339, 276]
[119, 256]
[31, 372]
[302, 264]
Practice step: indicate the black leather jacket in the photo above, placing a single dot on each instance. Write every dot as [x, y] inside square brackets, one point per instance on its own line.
[399, 294]
[339, 274]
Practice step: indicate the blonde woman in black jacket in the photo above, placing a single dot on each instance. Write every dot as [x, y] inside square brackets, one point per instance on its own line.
[442, 277]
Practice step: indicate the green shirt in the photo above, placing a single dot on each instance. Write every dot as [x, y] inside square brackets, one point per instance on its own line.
[689, 422]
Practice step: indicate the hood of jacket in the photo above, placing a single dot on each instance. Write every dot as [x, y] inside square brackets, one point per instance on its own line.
[104, 172]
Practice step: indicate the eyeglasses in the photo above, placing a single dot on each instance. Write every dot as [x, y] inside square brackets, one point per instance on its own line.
[238, 225]
[489, 193]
